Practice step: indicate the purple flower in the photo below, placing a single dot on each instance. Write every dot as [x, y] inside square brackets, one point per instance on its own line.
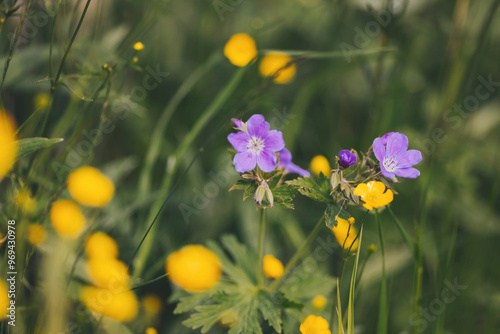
[256, 146]
[386, 137]
[238, 124]
[347, 158]
[395, 158]
[286, 163]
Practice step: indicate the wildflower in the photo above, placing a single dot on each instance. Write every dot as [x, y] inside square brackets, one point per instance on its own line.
[240, 49]
[138, 46]
[151, 304]
[101, 245]
[42, 100]
[239, 125]
[151, 330]
[67, 219]
[256, 146]
[347, 158]
[286, 163]
[108, 273]
[90, 187]
[278, 65]
[4, 300]
[25, 201]
[319, 302]
[314, 325]
[8, 144]
[121, 306]
[373, 194]
[395, 158]
[194, 268]
[346, 234]
[36, 234]
[319, 164]
[385, 138]
[372, 248]
[273, 268]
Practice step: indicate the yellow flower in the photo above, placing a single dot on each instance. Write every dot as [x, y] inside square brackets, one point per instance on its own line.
[8, 144]
[273, 268]
[100, 245]
[273, 64]
[90, 187]
[151, 330]
[42, 100]
[372, 248]
[194, 268]
[36, 234]
[67, 219]
[151, 304]
[314, 325]
[240, 49]
[346, 233]
[319, 302]
[138, 46]
[372, 193]
[109, 273]
[25, 201]
[320, 164]
[4, 299]
[121, 306]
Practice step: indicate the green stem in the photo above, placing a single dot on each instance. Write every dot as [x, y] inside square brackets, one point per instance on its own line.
[408, 239]
[298, 253]
[149, 282]
[419, 271]
[260, 248]
[336, 297]
[383, 312]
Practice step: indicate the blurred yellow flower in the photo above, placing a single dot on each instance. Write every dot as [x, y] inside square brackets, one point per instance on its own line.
[373, 194]
[42, 100]
[121, 306]
[194, 268]
[151, 304]
[25, 201]
[240, 49]
[319, 302]
[273, 268]
[36, 234]
[320, 164]
[101, 245]
[372, 248]
[273, 64]
[4, 299]
[67, 219]
[138, 46]
[151, 330]
[346, 233]
[314, 325]
[109, 273]
[8, 144]
[90, 187]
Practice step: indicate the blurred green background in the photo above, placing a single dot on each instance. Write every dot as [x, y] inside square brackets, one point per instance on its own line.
[440, 51]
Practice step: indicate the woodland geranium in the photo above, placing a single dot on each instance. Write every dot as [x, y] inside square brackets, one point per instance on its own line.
[395, 158]
[256, 145]
[286, 163]
[347, 158]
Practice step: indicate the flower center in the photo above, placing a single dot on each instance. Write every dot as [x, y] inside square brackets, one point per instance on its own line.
[255, 145]
[390, 164]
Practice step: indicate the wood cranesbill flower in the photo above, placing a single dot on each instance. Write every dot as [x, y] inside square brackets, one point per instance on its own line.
[347, 158]
[286, 163]
[256, 146]
[395, 158]
[385, 137]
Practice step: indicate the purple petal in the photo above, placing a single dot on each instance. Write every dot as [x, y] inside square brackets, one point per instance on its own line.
[293, 168]
[397, 144]
[239, 141]
[267, 160]
[410, 173]
[346, 158]
[237, 123]
[274, 141]
[409, 158]
[257, 126]
[386, 137]
[379, 149]
[244, 161]
[385, 172]
[285, 158]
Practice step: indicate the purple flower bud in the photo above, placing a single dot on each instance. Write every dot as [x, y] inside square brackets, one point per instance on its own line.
[386, 137]
[347, 158]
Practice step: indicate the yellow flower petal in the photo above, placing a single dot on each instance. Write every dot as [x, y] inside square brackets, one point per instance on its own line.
[273, 268]
[240, 49]
[90, 187]
[361, 190]
[119, 305]
[273, 64]
[67, 219]
[320, 164]
[8, 144]
[314, 325]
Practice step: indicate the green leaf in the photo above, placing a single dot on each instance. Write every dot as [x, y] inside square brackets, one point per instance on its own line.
[30, 145]
[269, 310]
[284, 196]
[250, 190]
[240, 185]
[311, 189]
[190, 302]
[332, 212]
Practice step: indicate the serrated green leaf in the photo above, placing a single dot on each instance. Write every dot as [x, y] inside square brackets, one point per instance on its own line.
[248, 321]
[311, 189]
[306, 285]
[332, 212]
[240, 185]
[30, 145]
[244, 258]
[284, 196]
[250, 190]
[190, 302]
[269, 310]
